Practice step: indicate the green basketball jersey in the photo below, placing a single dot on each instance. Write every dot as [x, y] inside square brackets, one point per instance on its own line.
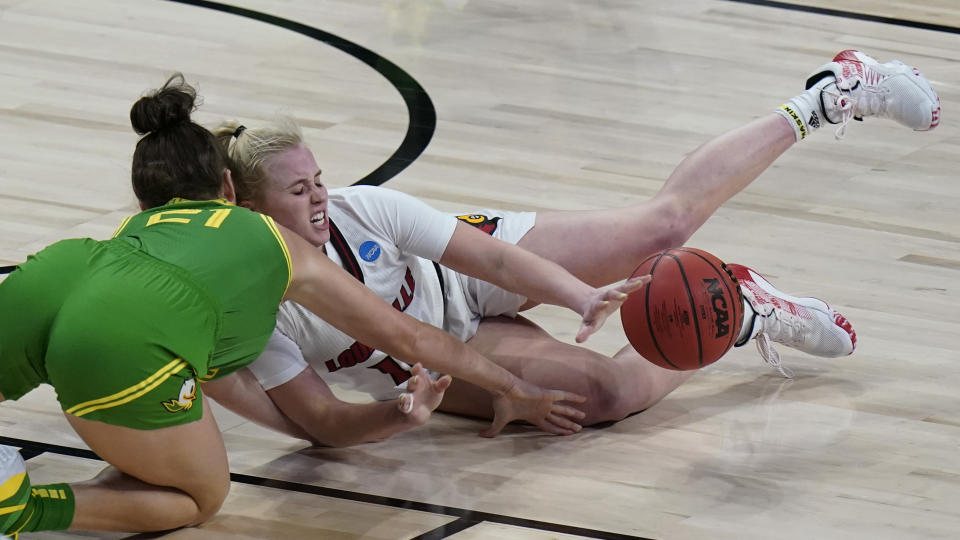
[196, 282]
[234, 253]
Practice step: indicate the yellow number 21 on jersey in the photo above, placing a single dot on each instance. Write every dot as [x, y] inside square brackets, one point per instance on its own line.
[167, 216]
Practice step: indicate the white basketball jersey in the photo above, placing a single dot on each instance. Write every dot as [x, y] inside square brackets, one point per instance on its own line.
[387, 240]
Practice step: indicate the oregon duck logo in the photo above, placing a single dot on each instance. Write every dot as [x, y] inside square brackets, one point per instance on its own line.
[484, 223]
[188, 393]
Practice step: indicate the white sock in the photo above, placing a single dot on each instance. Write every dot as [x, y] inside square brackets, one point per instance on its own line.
[805, 111]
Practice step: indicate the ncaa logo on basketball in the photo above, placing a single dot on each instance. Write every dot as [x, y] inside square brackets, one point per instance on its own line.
[369, 251]
[719, 303]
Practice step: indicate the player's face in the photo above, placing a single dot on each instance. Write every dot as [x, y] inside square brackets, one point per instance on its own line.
[294, 195]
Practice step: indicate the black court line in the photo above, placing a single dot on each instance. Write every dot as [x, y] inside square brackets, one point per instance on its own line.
[467, 518]
[423, 116]
[447, 530]
[851, 15]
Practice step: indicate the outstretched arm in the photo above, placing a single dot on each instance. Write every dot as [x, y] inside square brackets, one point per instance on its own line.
[241, 393]
[305, 408]
[325, 289]
[308, 401]
[476, 254]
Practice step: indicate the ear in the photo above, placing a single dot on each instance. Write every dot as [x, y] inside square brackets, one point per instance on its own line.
[142, 205]
[227, 188]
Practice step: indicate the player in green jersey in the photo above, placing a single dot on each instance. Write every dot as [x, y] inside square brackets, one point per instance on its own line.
[187, 291]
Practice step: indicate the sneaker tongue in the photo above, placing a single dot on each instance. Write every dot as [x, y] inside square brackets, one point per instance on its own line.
[830, 94]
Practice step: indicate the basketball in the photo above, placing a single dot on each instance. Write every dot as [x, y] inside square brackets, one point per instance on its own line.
[690, 312]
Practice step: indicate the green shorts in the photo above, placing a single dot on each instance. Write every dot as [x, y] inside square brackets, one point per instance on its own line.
[128, 341]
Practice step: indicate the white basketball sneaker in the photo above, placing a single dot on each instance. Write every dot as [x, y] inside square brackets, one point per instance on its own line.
[864, 87]
[854, 86]
[805, 324]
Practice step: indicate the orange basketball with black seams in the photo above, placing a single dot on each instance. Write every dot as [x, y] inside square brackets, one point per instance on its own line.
[690, 312]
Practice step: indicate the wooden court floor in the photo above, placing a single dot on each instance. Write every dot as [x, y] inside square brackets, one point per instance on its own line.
[550, 104]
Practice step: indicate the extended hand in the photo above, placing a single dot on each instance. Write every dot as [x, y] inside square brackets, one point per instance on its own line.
[423, 395]
[542, 408]
[605, 301]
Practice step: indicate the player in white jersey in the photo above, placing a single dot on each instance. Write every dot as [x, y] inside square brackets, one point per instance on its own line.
[407, 235]
[389, 241]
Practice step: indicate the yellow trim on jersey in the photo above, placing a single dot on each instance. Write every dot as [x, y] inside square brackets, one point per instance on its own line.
[123, 225]
[283, 245]
[178, 200]
[130, 394]
[11, 486]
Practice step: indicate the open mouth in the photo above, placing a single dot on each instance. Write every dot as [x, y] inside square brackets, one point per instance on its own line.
[318, 219]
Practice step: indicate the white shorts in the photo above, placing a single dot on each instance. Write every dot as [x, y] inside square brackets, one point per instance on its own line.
[469, 299]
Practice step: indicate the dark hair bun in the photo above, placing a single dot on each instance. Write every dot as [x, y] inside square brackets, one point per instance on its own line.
[169, 106]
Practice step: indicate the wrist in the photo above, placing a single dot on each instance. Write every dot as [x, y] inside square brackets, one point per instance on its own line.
[506, 386]
[587, 300]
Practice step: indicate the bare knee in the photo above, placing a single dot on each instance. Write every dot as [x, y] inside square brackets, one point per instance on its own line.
[209, 501]
[614, 400]
[608, 402]
[674, 222]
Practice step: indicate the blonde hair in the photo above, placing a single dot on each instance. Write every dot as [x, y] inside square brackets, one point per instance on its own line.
[250, 148]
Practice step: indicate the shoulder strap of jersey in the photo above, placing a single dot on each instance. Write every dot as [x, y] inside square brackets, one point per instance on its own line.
[340, 244]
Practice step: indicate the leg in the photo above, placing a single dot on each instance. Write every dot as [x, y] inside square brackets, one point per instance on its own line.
[852, 86]
[622, 237]
[165, 478]
[614, 387]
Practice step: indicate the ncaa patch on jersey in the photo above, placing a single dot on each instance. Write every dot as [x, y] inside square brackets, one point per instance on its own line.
[369, 251]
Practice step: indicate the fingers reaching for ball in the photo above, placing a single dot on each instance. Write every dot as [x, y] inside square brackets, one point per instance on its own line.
[605, 301]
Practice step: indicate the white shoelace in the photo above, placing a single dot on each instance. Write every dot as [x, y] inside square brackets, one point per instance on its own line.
[871, 101]
[771, 356]
[846, 105]
[788, 329]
